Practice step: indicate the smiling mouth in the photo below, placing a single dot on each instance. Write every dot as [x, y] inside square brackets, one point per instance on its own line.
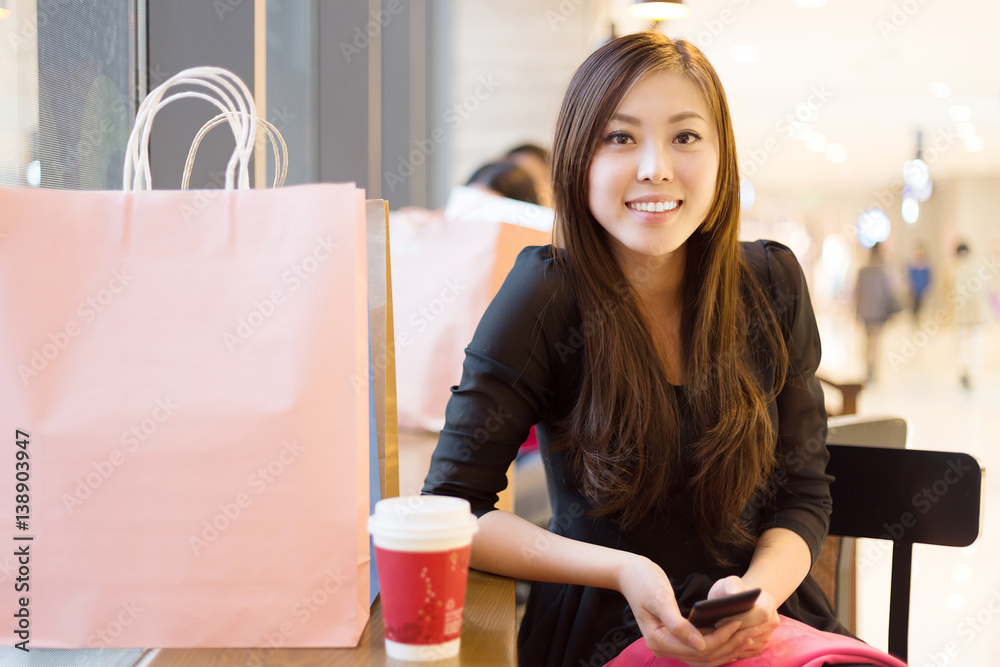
[654, 206]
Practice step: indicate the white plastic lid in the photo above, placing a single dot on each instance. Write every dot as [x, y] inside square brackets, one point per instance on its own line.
[423, 517]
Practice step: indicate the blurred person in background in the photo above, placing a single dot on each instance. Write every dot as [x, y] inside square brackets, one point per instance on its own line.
[535, 160]
[969, 296]
[919, 273]
[507, 180]
[875, 303]
[491, 180]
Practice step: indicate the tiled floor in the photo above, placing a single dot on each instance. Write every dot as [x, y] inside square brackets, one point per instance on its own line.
[955, 606]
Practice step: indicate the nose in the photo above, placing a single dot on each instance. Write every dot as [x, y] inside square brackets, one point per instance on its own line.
[655, 164]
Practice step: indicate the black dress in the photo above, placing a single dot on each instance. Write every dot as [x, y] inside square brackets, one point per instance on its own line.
[523, 368]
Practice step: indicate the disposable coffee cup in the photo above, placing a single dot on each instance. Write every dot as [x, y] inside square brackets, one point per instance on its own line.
[422, 546]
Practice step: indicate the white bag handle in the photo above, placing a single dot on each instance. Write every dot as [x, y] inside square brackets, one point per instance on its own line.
[280, 162]
[235, 102]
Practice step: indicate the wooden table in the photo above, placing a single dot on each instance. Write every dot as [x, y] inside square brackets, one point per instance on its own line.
[488, 638]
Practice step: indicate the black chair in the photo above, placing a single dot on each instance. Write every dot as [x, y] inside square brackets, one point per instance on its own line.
[836, 568]
[910, 497]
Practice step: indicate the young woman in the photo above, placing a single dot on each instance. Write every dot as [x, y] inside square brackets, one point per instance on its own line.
[670, 372]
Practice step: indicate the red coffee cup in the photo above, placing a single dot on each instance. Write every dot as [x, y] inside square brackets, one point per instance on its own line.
[422, 546]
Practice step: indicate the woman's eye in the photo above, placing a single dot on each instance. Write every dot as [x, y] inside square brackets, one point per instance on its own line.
[687, 137]
[618, 138]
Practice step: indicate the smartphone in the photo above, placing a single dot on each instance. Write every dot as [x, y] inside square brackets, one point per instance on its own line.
[707, 613]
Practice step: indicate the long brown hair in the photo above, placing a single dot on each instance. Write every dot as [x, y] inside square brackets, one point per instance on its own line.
[623, 435]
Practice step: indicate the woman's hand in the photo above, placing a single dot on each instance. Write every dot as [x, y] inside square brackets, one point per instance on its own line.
[756, 625]
[666, 632]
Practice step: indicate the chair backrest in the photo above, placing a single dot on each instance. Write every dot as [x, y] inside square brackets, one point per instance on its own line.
[907, 496]
[875, 431]
[835, 570]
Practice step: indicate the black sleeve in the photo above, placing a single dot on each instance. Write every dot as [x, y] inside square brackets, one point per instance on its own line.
[802, 487]
[506, 385]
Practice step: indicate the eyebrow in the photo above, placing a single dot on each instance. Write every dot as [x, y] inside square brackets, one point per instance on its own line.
[676, 118]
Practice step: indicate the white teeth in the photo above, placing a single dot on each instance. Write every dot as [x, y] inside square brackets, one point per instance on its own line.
[654, 207]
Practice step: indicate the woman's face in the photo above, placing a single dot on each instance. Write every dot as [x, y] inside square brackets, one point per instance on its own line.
[652, 178]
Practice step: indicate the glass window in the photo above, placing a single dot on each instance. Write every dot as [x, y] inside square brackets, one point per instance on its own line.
[69, 82]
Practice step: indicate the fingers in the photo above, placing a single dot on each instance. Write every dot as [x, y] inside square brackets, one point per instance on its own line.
[758, 616]
[755, 646]
[739, 641]
[688, 634]
[674, 646]
[726, 586]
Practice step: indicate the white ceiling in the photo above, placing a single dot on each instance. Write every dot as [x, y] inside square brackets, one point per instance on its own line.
[873, 60]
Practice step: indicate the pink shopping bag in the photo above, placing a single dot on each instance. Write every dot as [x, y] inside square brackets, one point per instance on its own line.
[448, 266]
[176, 379]
[793, 644]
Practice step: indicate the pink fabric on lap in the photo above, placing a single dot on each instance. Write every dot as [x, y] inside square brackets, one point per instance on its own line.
[793, 644]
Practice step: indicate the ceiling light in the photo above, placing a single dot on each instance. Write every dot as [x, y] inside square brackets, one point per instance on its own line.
[816, 142]
[745, 55]
[4, 13]
[747, 195]
[810, 4]
[658, 11]
[923, 191]
[911, 210]
[916, 172]
[836, 153]
[873, 227]
[973, 144]
[961, 114]
[806, 112]
[965, 130]
[939, 89]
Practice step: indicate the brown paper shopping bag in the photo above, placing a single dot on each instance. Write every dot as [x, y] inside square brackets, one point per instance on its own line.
[383, 353]
[176, 369]
[381, 381]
